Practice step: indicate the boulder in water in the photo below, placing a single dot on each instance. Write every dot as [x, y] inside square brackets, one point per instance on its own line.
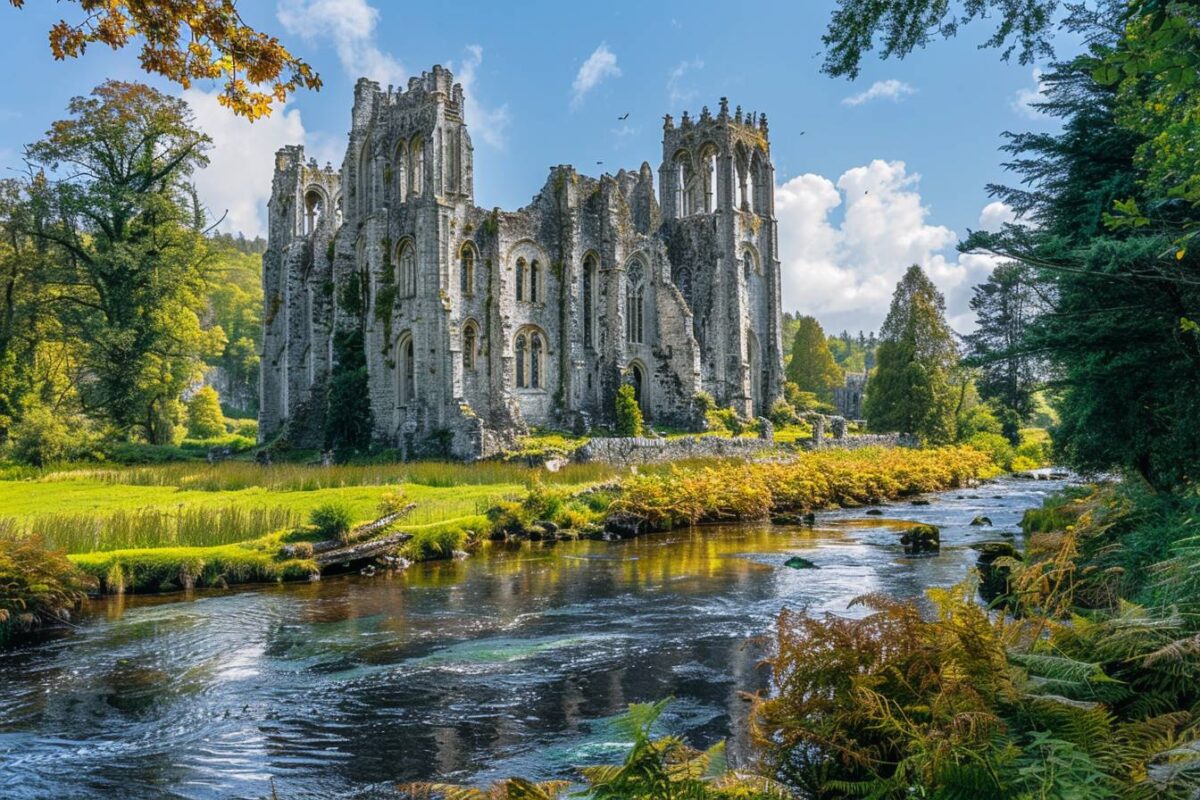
[920, 501]
[982, 521]
[874, 512]
[796, 562]
[922, 540]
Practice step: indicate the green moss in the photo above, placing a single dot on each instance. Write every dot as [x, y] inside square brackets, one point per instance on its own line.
[160, 568]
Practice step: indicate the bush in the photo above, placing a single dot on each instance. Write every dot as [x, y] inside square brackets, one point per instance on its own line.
[996, 447]
[39, 586]
[332, 520]
[244, 427]
[703, 402]
[43, 437]
[782, 413]
[204, 417]
[629, 414]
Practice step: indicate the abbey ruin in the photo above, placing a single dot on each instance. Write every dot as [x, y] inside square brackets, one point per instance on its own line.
[472, 324]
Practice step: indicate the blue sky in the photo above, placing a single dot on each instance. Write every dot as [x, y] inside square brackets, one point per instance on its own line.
[872, 175]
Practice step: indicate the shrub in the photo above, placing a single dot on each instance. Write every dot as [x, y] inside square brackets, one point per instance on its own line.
[996, 447]
[391, 502]
[204, 417]
[332, 520]
[41, 437]
[38, 586]
[244, 427]
[782, 413]
[629, 414]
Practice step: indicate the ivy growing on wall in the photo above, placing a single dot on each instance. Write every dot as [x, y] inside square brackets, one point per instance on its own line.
[348, 422]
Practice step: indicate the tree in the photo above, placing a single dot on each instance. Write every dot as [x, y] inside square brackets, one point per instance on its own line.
[912, 389]
[1121, 291]
[901, 26]
[812, 367]
[125, 252]
[204, 417]
[186, 41]
[1004, 307]
[629, 413]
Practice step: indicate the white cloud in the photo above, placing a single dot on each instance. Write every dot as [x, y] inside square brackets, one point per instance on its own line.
[890, 89]
[601, 64]
[1023, 100]
[677, 93]
[238, 179]
[350, 25]
[844, 274]
[489, 123]
[995, 215]
[8, 113]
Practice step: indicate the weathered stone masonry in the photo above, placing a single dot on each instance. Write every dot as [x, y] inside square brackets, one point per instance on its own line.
[476, 323]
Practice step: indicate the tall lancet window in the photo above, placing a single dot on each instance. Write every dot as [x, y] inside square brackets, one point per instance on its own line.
[635, 302]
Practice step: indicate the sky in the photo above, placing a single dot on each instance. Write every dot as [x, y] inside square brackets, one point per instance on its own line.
[872, 175]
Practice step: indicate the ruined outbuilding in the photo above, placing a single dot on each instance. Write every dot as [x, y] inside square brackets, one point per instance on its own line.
[472, 324]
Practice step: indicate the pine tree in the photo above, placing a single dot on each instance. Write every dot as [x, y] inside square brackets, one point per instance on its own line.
[1004, 306]
[812, 366]
[911, 390]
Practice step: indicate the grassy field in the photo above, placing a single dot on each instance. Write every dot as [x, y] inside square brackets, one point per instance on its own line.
[167, 526]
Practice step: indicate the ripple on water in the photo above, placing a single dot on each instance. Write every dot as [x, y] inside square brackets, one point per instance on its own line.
[513, 662]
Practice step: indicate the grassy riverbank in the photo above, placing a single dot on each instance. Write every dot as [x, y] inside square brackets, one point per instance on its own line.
[182, 525]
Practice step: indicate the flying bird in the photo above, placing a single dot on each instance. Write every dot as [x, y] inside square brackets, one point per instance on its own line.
[622, 119]
[599, 162]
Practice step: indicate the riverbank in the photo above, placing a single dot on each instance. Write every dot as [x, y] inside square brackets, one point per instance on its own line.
[181, 516]
[516, 661]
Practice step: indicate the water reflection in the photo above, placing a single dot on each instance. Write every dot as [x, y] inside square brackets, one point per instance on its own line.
[514, 661]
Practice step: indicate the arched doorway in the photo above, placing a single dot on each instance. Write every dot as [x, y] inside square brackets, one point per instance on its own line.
[637, 377]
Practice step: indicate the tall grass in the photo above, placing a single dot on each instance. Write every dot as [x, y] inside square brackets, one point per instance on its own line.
[152, 527]
[237, 475]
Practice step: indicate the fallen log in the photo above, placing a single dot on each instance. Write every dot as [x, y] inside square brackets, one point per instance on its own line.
[361, 550]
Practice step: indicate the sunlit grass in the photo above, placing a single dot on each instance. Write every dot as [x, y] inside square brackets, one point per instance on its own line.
[152, 527]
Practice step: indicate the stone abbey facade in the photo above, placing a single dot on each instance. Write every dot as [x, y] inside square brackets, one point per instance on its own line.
[475, 323]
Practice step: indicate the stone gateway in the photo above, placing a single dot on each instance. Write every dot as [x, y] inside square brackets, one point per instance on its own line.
[473, 324]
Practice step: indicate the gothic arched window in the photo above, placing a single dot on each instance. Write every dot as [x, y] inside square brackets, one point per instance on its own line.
[406, 269]
[406, 370]
[708, 171]
[535, 361]
[589, 300]
[365, 201]
[470, 345]
[522, 268]
[529, 349]
[635, 297]
[467, 269]
[416, 170]
[520, 348]
[400, 169]
[683, 180]
[535, 274]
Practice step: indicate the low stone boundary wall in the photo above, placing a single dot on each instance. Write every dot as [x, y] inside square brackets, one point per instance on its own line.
[637, 450]
[859, 441]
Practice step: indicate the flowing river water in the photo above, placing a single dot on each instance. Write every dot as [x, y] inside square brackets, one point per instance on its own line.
[514, 661]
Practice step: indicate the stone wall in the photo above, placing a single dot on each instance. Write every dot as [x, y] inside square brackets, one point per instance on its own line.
[636, 450]
[858, 442]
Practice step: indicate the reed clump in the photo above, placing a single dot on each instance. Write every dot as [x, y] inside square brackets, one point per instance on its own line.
[152, 527]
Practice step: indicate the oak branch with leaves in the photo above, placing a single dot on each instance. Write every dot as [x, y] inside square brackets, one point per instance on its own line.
[186, 41]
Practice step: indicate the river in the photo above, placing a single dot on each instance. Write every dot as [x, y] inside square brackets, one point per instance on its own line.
[513, 661]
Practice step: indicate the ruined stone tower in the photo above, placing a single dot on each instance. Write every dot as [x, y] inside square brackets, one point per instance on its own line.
[472, 324]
